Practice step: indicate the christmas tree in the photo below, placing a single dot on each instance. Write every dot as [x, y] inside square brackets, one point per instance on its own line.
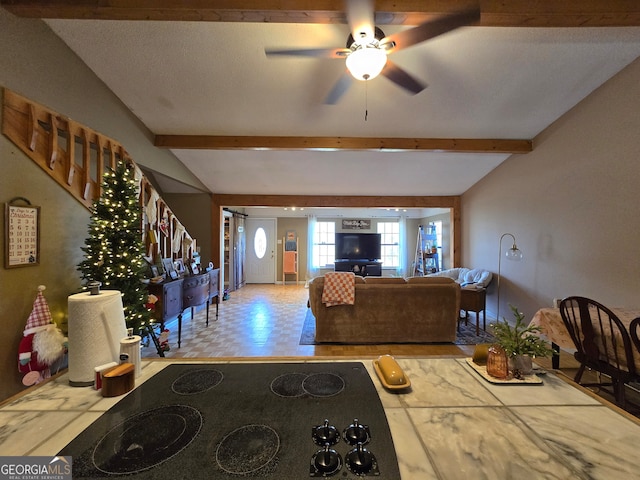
[114, 251]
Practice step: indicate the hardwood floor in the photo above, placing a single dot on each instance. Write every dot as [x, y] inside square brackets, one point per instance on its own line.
[262, 320]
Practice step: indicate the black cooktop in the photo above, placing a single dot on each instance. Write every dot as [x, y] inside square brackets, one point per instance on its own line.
[280, 421]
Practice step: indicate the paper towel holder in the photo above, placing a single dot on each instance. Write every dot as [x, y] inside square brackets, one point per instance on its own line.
[94, 287]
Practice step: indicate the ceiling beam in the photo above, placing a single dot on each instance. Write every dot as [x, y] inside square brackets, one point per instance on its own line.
[341, 201]
[464, 145]
[512, 13]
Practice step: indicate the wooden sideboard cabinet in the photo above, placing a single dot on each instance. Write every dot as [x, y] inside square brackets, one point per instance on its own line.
[195, 292]
[214, 290]
[169, 304]
[177, 295]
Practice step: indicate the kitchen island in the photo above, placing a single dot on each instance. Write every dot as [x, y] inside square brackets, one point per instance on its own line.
[450, 424]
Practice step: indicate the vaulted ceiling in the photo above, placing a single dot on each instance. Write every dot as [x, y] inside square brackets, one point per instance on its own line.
[197, 76]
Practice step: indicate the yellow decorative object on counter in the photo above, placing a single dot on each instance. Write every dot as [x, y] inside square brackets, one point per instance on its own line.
[390, 373]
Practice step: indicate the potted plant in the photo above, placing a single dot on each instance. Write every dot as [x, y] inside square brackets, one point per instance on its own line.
[521, 343]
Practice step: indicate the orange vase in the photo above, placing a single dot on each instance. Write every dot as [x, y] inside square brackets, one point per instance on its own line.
[497, 365]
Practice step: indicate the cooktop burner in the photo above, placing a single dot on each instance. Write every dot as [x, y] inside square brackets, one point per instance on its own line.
[128, 447]
[248, 449]
[285, 421]
[196, 381]
[300, 384]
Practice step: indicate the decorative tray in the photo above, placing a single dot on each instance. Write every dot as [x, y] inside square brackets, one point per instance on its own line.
[482, 370]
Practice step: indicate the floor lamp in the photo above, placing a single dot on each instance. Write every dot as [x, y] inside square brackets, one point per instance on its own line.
[514, 254]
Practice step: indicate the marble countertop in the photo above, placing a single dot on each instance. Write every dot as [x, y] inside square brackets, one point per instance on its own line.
[451, 424]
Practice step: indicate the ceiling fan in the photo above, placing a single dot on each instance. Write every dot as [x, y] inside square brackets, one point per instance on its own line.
[367, 47]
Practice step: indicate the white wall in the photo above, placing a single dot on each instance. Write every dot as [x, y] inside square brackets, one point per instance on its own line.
[573, 205]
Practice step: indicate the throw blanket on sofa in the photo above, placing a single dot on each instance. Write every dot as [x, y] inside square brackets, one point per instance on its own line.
[339, 289]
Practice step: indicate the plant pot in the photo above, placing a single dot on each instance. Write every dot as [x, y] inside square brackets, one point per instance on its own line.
[523, 363]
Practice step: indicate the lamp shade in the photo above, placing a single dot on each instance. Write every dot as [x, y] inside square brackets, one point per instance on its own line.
[366, 62]
[514, 253]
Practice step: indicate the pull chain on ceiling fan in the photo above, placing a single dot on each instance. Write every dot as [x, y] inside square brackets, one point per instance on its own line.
[367, 47]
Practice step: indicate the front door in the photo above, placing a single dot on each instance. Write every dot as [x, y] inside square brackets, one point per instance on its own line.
[261, 250]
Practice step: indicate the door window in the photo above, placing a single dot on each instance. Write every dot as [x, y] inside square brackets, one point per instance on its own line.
[260, 242]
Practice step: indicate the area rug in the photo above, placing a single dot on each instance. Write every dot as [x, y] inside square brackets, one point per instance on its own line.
[466, 334]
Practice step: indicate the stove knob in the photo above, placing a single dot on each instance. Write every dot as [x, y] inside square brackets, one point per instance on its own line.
[359, 460]
[325, 434]
[327, 461]
[356, 433]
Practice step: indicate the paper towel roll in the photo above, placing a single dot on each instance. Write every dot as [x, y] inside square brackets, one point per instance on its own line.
[96, 325]
[131, 346]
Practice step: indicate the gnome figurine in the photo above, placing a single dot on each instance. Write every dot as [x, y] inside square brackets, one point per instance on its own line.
[42, 343]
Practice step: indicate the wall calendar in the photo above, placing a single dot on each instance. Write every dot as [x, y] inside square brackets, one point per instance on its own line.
[22, 234]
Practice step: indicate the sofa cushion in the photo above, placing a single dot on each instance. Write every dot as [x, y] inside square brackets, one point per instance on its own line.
[429, 280]
[384, 280]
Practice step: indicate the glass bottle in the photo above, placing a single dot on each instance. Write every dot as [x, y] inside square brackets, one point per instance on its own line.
[497, 365]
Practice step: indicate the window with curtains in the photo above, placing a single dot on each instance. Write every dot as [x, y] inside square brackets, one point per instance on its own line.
[390, 243]
[324, 244]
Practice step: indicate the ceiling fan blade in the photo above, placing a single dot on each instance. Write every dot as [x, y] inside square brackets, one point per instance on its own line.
[311, 52]
[360, 16]
[430, 29]
[339, 89]
[402, 78]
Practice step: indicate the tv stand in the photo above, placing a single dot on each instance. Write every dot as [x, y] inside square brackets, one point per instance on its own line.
[363, 267]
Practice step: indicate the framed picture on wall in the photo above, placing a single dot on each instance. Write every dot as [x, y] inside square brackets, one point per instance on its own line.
[22, 234]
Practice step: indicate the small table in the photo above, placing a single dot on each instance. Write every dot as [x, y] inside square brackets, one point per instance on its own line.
[474, 300]
[552, 326]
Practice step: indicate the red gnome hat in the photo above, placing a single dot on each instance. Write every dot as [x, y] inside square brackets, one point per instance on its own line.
[40, 316]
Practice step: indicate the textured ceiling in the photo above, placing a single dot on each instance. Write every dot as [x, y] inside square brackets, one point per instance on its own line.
[201, 78]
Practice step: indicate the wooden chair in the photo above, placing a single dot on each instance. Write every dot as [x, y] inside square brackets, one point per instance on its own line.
[634, 326]
[602, 343]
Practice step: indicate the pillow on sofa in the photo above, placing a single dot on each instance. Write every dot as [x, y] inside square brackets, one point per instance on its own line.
[453, 273]
[478, 277]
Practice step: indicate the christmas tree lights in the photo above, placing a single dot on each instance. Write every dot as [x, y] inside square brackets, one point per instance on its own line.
[113, 252]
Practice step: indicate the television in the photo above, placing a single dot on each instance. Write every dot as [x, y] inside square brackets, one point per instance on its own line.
[358, 246]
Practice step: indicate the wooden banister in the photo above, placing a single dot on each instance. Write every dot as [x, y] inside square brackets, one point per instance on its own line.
[40, 132]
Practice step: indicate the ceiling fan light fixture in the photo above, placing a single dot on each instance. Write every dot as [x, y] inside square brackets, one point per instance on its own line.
[366, 63]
